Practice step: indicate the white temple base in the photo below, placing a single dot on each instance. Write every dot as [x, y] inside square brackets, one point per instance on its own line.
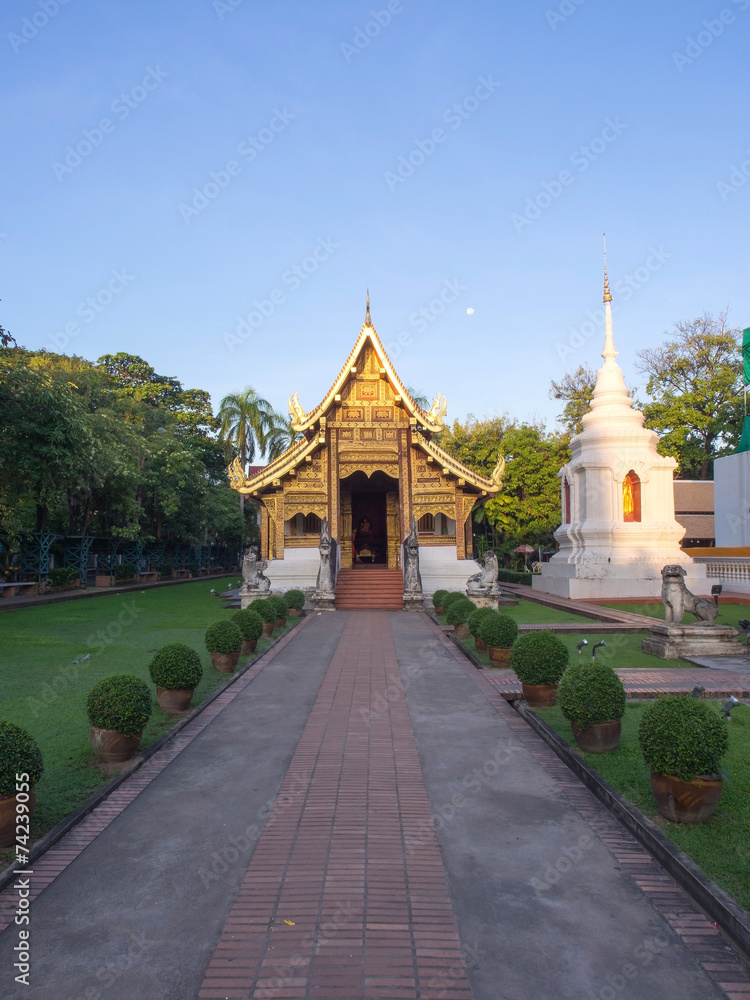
[441, 569]
[636, 578]
[298, 570]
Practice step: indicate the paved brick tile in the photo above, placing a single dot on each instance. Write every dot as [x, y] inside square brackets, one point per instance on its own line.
[349, 853]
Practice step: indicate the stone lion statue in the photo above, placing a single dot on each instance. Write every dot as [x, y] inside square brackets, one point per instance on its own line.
[678, 599]
[486, 580]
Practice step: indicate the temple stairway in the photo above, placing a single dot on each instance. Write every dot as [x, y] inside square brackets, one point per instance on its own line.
[366, 588]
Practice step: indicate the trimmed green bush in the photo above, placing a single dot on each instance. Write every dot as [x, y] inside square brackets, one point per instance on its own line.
[539, 658]
[451, 596]
[590, 693]
[124, 572]
[265, 609]
[62, 576]
[438, 597]
[294, 599]
[249, 624]
[223, 637]
[279, 605]
[459, 610]
[683, 736]
[19, 754]
[497, 630]
[121, 704]
[513, 576]
[176, 666]
[477, 616]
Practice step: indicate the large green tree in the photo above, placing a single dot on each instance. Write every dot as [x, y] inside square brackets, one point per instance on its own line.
[576, 390]
[695, 388]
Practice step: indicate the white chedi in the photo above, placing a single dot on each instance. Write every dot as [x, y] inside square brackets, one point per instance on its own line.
[619, 526]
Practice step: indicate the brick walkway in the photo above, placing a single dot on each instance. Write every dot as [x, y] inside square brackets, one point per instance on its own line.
[345, 896]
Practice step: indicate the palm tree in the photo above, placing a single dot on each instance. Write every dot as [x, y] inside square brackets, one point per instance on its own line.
[244, 420]
[419, 398]
[280, 436]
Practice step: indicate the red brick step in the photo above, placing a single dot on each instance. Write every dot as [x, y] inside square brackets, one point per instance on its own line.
[370, 589]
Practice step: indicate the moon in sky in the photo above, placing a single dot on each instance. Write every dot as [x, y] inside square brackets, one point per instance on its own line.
[470, 311]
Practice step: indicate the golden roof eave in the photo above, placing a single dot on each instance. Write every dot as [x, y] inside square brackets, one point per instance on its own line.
[305, 421]
[281, 466]
[454, 467]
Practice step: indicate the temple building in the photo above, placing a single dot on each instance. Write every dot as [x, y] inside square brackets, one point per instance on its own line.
[367, 462]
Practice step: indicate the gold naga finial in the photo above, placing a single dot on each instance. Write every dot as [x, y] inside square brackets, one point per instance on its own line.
[607, 293]
[368, 320]
[498, 473]
[439, 410]
[295, 409]
[236, 474]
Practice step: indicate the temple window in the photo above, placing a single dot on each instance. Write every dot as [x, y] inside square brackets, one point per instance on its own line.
[312, 524]
[566, 502]
[426, 523]
[631, 497]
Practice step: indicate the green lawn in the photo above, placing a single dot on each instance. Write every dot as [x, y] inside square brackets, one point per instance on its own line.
[44, 691]
[720, 846]
[729, 614]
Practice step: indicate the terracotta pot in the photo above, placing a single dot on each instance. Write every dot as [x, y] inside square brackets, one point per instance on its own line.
[540, 695]
[439, 611]
[174, 700]
[481, 645]
[293, 613]
[686, 801]
[8, 817]
[248, 647]
[280, 622]
[601, 737]
[225, 662]
[268, 628]
[110, 746]
[499, 655]
[461, 631]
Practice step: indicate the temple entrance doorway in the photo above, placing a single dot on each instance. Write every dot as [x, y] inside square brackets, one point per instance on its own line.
[370, 521]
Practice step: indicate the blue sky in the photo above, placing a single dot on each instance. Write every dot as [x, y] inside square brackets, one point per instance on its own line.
[175, 162]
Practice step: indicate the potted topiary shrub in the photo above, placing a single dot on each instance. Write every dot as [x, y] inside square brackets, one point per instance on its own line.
[450, 597]
[539, 660]
[251, 627]
[475, 619]
[267, 612]
[683, 740]
[279, 605]
[437, 599]
[592, 699]
[176, 670]
[295, 602]
[498, 632]
[457, 615]
[118, 709]
[224, 642]
[21, 767]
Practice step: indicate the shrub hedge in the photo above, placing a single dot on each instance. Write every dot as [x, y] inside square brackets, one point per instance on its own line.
[223, 637]
[438, 598]
[265, 609]
[513, 576]
[121, 703]
[683, 736]
[590, 693]
[249, 623]
[458, 611]
[279, 605]
[539, 658]
[19, 754]
[477, 615]
[176, 666]
[497, 630]
[294, 599]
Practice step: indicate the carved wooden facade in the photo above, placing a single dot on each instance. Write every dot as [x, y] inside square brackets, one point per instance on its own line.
[367, 438]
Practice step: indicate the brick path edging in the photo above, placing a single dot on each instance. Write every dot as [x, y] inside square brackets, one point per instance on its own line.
[716, 903]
